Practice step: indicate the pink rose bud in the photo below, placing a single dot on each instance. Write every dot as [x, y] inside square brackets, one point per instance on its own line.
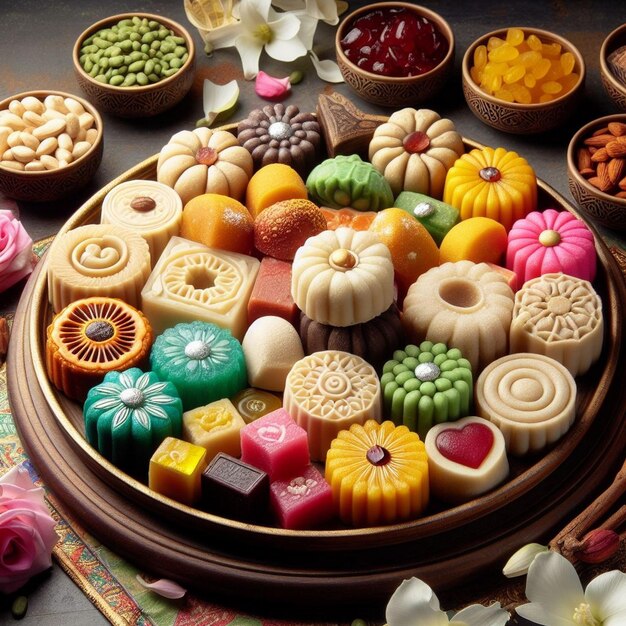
[27, 531]
[16, 256]
[271, 88]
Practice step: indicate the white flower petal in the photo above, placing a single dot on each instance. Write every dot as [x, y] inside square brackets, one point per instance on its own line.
[479, 615]
[121, 416]
[162, 399]
[553, 584]
[254, 13]
[164, 587]
[308, 26]
[606, 595]
[538, 615]
[217, 98]
[142, 417]
[289, 5]
[519, 563]
[224, 36]
[286, 27]
[249, 50]
[286, 50]
[325, 10]
[107, 403]
[155, 389]
[158, 412]
[143, 381]
[414, 603]
[327, 70]
[126, 381]
[107, 389]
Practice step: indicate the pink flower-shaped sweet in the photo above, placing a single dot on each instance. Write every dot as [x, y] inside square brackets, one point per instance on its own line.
[27, 533]
[548, 242]
[15, 250]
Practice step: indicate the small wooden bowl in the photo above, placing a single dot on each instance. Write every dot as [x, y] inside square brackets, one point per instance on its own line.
[615, 89]
[513, 117]
[51, 185]
[392, 91]
[603, 208]
[137, 101]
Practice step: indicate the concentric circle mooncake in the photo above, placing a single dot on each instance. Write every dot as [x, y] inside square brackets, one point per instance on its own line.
[91, 337]
[329, 391]
[530, 397]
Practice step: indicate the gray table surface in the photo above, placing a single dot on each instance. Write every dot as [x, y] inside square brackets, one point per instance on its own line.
[36, 40]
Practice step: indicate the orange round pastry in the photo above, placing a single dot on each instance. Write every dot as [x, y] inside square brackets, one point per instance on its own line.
[271, 184]
[413, 250]
[91, 337]
[283, 227]
[378, 474]
[218, 221]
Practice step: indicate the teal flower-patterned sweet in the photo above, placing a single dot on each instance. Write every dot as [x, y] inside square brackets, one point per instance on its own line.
[426, 385]
[204, 361]
[129, 414]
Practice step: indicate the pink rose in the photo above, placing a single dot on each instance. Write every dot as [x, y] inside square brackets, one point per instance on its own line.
[27, 533]
[16, 256]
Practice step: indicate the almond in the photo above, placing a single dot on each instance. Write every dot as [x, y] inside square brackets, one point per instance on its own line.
[621, 194]
[603, 175]
[600, 155]
[616, 149]
[587, 171]
[584, 158]
[622, 184]
[616, 170]
[617, 128]
[599, 141]
[601, 131]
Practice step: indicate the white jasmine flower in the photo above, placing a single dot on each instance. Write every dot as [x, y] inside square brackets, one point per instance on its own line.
[519, 563]
[414, 603]
[322, 10]
[557, 598]
[259, 28]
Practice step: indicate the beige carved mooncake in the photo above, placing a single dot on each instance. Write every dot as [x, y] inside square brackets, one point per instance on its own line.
[329, 391]
[97, 260]
[91, 337]
[559, 316]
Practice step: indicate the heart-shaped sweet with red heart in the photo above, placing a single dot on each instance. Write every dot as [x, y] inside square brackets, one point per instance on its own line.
[468, 445]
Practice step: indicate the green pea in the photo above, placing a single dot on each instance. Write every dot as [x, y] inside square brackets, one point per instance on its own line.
[104, 63]
[147, 38]
[134, 36]
[179, 51]
[157, 68]
[114, 51]
[101, 78]
[82, 58]
[116, 61]
[153, 78]
[164, 66]
[90, 48]
[170, 72]
[111, 36]
[126, 45]
[143, 29]
[151, 53]
[144, 48]
[130, 80]
[168, 57]
[136, 20]
[153, 24]
[184, 57]
[88, 41]
[155, 45]
[167, 46]
[136, 45]
[137, 66]
[126, 22]
[87, 65]
[101, 43]
[149, 67]
[176, 63]
[95, 70]
[163, 33]
[135, 56]
[19, 607]
[178, 40]
[142, 79]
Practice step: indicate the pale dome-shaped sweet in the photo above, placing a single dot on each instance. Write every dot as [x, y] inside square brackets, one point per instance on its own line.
[548, 242]
[342, 277]
[464, 305]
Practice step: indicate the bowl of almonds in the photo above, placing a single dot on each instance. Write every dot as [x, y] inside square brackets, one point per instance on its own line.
[50, 145]
[596, 170]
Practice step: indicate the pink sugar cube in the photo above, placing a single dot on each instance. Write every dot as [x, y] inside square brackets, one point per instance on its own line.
[275, 444]
[304, 501]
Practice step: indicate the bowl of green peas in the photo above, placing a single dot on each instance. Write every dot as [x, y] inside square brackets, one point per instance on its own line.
[134, 64]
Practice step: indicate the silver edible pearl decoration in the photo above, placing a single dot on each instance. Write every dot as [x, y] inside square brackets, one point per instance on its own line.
[197, 350]
[280, 131]
[423, 209]
[132, 397]
[427, 371]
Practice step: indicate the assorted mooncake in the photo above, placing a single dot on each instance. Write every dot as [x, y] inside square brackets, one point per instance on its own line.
[91, 337]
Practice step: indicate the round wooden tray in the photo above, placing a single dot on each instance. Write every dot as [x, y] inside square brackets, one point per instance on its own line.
[315, 572]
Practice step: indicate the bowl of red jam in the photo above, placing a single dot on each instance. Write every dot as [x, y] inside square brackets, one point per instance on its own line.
[395, 54]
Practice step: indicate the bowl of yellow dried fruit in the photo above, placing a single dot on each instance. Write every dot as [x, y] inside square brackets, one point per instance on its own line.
[523, 80]
[613, 66]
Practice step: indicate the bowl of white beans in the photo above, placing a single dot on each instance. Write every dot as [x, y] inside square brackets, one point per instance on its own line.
[50, 145]
[134, 64]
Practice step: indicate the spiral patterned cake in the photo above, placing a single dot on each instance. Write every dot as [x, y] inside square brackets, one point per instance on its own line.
[559, 316]
[378, 474]
[464, 305]
[91, 337]
[328, 391]
[530, 397]
[148, 207]
[97, 260]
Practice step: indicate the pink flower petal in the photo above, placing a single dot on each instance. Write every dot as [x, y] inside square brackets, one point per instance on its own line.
[164, 587]
[271, 88]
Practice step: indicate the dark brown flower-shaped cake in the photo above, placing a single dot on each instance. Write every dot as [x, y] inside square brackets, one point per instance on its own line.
[281, 134]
